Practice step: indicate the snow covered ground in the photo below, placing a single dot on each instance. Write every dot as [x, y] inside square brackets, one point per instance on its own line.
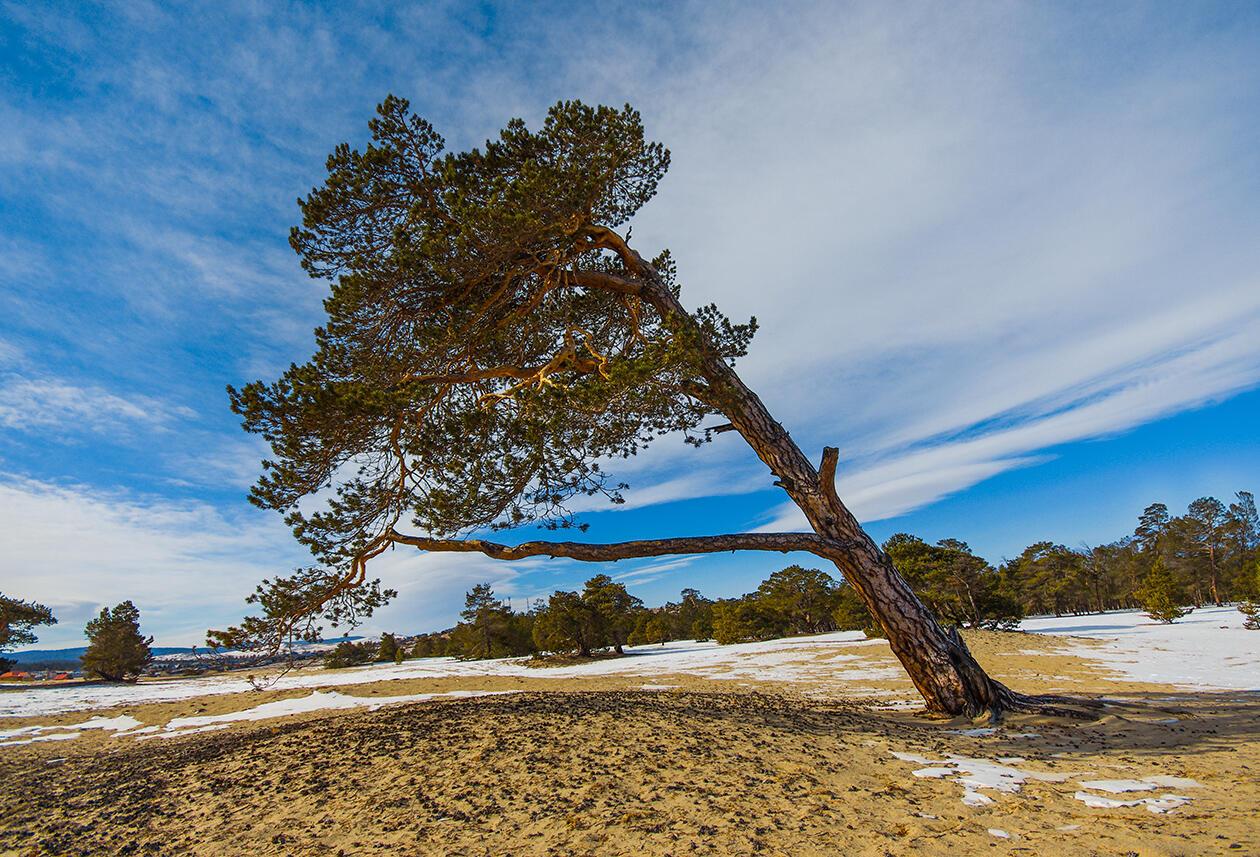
[789, 660]
[1207, 649]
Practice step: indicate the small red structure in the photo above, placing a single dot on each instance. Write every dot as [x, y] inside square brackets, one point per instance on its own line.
[15, 674]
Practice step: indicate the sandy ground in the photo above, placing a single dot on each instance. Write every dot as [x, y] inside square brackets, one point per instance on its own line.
[696, 764]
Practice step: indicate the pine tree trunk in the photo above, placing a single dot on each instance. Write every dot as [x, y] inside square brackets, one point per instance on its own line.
[938, 661]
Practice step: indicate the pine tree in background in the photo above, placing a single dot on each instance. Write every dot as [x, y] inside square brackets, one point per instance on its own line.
[348, 654]
[1251, 611]
[614, 608]
[1250, 607]
[567, 624]
[117, 651]
[388, 649]
[1160, 596]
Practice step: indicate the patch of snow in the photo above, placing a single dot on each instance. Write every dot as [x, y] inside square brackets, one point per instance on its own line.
[124, 726]
[1118, 786]
[972, 798]
[1162, 804]
[1174, 782]
[115, 724]
[210, 728]
[999, 833]
[975, 774]
[316, 701]
[143, 731]
[1185, 653]
[828, 658]
[57, 736]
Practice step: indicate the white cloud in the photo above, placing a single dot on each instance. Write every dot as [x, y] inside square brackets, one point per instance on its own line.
[54, 404]
[972, 233]
[947, 236]
[77, 549]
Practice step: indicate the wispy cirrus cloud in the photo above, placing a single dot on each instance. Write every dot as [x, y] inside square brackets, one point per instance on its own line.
[61, 408]
[972, 235]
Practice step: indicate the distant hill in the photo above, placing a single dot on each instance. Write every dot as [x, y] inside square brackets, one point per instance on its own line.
[35, 656]
[69, 658]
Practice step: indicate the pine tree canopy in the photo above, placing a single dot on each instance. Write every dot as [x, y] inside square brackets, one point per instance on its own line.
[486, 345]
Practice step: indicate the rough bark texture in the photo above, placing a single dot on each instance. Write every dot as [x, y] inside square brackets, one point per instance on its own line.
[589, 552]
[938, 661]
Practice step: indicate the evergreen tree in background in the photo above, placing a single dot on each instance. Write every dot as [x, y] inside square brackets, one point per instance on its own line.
[803, 598]
[1243, 528]
[117, 651]
[1204, 525]
[1250, 607]
[614, 608]
[567, 624]
[1155, 568]
[1152, 525]
[850, 614]
[387, 649]
[350, 654]
[18, 619]
[487, 621]
[1160, 595]
[959, 587]
[695, 616]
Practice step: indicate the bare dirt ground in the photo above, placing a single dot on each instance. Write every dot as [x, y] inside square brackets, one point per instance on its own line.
[597, 766]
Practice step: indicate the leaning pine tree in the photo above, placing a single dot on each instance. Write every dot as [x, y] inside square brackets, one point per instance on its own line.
[492, 337]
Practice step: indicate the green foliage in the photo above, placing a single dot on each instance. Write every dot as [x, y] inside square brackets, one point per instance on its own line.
[468, 375]
[1161, 597]
[349, 654]
[958, 586]
[429, 646]
[489, 629]
[802, 599]
[292, 605]
[18, 619]
[1251, 613]
[614, 609]
[567, 624]
[1250, 607]
[388, 649]
[117, 651]
[850, 614]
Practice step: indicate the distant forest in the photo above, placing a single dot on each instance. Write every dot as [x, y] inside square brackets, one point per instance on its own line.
[1209, 555]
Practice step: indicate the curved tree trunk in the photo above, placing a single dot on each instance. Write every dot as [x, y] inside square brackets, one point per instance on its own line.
[938, 661]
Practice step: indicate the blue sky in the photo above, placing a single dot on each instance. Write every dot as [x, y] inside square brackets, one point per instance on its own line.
[1004, 257]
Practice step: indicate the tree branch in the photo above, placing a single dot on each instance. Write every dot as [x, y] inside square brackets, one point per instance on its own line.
[780, 542]
[602, 280]
[827, 472]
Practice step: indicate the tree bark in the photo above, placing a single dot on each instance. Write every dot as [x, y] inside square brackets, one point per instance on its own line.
[937, 660]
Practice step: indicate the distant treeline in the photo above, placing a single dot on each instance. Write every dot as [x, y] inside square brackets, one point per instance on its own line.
[1207, 555]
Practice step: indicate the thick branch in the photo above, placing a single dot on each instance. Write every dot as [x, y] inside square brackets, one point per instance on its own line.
[605, 281]
[780, 542]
